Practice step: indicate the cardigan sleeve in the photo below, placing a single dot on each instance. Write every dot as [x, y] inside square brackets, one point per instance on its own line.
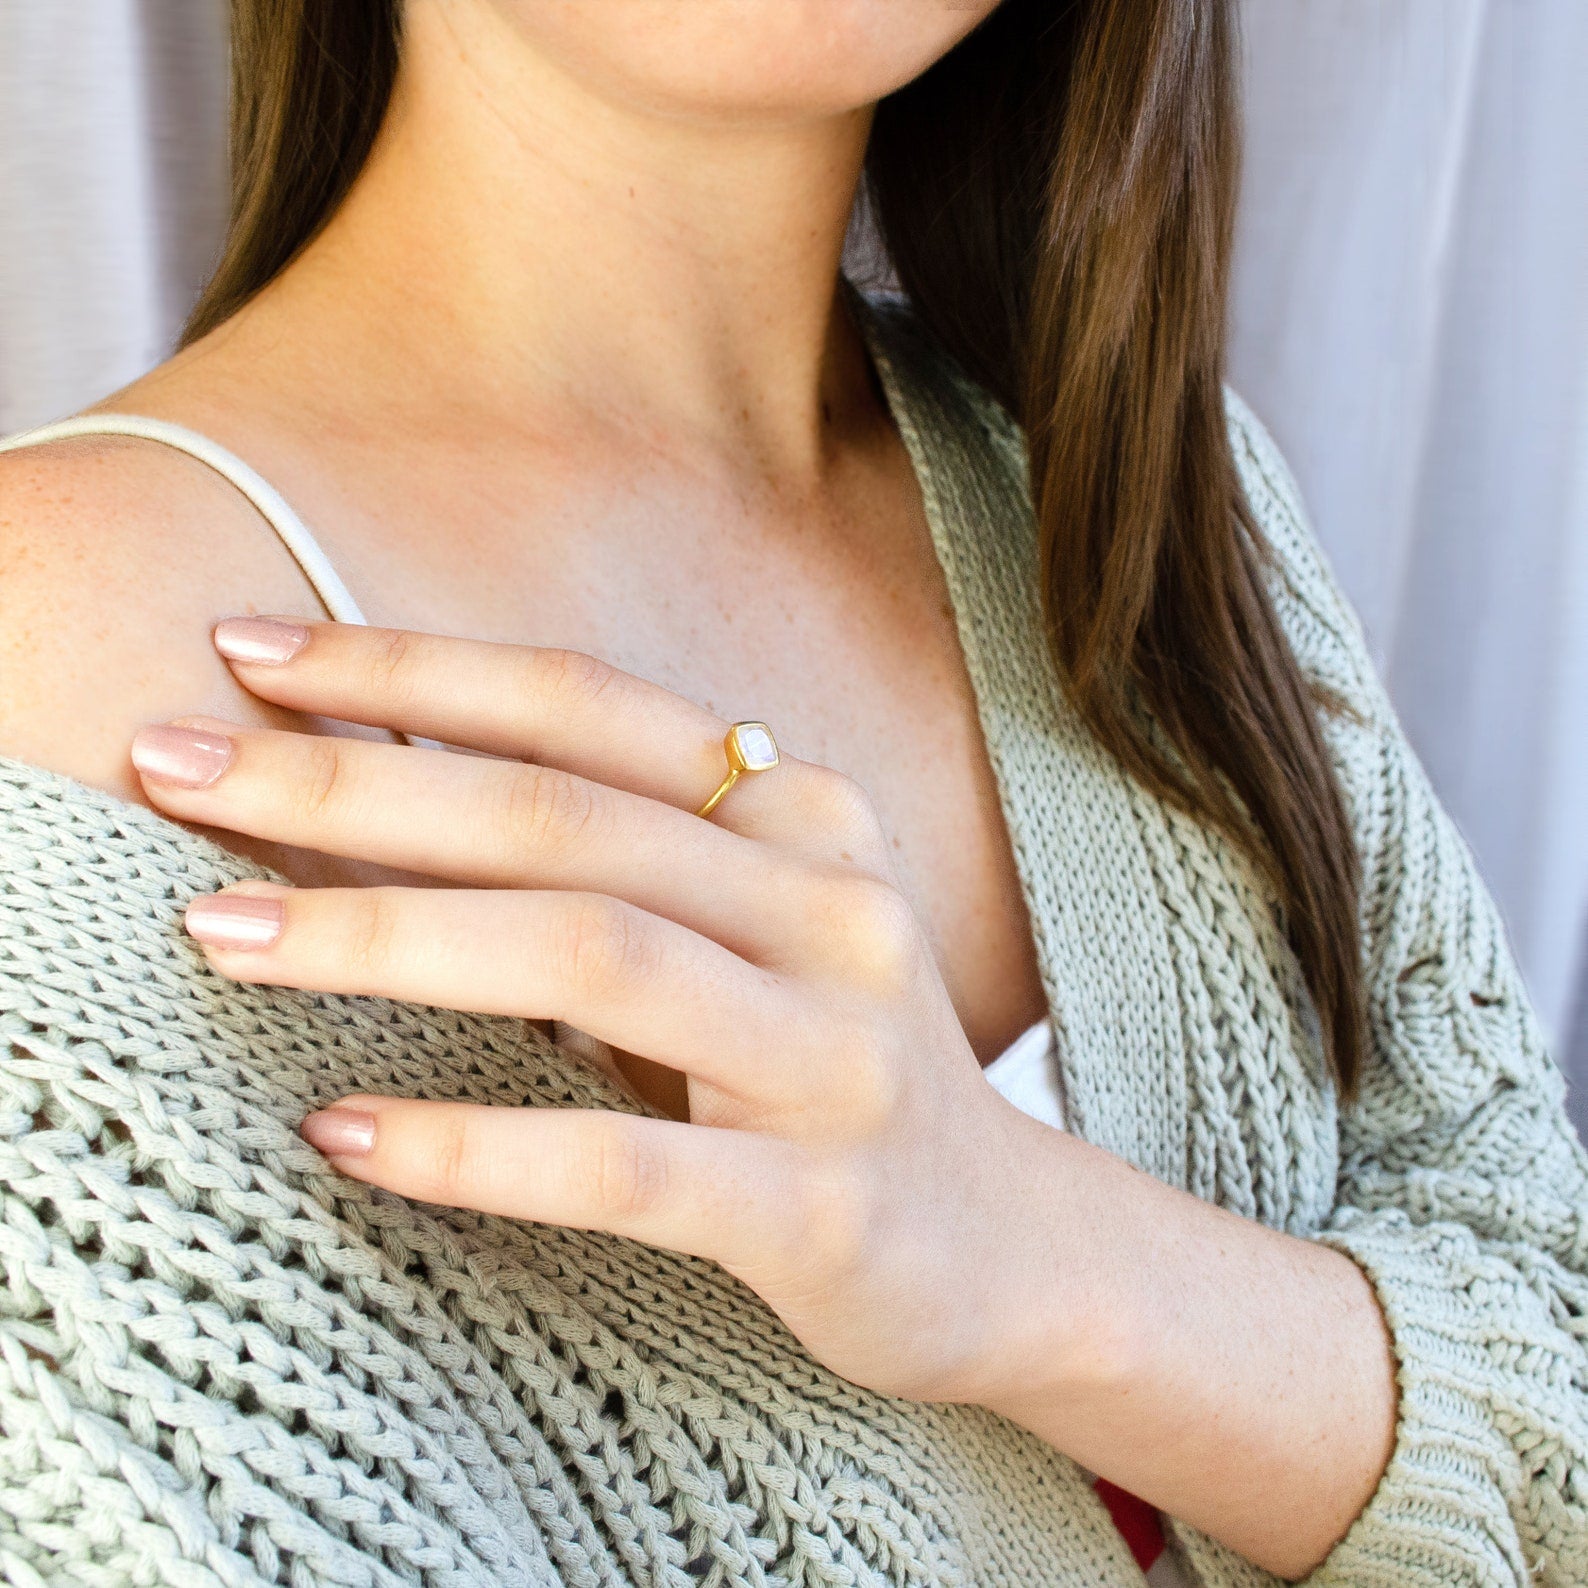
[1463, 1190]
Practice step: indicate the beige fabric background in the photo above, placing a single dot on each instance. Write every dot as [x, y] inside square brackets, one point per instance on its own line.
[1410, 316]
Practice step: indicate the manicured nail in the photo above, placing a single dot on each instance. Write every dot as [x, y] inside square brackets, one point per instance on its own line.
[266, 642]
[340, 1132]
[187, 757]
[235, 920]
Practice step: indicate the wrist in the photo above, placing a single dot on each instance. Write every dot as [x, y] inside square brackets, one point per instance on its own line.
[1059, 1325]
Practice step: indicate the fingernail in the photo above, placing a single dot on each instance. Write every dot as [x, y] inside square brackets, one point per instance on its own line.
[187, 757]
[266, 642]
[340, 1132]
[235, 920]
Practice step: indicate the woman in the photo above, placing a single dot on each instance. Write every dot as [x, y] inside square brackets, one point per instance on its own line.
[533, 312]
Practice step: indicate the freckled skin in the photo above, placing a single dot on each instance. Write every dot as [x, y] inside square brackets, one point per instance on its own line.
[810, 598]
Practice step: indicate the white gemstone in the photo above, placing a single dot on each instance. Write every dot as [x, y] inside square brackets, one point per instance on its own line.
[755, 746]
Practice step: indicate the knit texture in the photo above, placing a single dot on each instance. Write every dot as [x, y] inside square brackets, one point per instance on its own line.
[222, 1363]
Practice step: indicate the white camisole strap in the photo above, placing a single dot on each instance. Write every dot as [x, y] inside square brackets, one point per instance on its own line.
[290, 529]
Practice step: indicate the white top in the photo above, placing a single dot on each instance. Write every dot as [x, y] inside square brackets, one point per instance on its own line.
[1027, 1074]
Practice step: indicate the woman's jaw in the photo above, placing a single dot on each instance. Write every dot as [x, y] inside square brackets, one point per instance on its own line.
[628, 203]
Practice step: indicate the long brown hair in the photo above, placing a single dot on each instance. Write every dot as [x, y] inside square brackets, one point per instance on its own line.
[1056, 197]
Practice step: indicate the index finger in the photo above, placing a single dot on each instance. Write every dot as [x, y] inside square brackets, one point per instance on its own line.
[556, 707]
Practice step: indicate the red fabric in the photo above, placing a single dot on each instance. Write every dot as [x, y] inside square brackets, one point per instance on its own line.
[1136, 1520]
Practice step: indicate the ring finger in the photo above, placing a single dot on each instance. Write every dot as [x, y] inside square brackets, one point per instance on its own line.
[635, 980]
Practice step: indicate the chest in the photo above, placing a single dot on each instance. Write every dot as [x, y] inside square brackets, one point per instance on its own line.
[828, 618]
[902, 642]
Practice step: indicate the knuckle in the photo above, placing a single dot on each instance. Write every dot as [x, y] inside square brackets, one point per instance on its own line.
[881, 938]
[545, 807]
[371, 943]
[323, 782]
[574, 676]
[448, 1157]
[841, 806]
[827, 1218]
[607, 947]
[840, 1220]
[624, 1171]
[392, 662]
[874, 1089]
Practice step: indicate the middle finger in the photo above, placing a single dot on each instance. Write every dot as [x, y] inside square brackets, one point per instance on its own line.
[634, 980]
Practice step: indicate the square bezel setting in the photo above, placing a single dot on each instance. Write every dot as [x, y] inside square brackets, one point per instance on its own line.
[754, 748]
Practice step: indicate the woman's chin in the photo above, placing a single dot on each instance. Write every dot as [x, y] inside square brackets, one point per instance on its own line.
[724, 60]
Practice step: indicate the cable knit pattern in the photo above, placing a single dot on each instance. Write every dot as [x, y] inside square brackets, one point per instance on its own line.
[222, 1363]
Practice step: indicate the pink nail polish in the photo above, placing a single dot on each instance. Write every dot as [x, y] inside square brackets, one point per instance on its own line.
[185, 757]
[265, 642]
[340, 1132]
[235, 920]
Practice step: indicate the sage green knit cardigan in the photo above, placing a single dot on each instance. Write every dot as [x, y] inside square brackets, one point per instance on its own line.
[222, 1363]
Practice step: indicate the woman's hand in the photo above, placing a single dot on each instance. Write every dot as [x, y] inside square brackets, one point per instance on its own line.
[845, 1156]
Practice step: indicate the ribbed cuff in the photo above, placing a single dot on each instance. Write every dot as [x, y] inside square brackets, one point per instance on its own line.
[1443, 1511]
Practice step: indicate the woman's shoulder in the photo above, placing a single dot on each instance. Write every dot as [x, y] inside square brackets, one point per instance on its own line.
[117, 555]
[1318, 618]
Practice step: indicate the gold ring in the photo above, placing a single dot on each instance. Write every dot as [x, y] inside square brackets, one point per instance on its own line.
[749, 747]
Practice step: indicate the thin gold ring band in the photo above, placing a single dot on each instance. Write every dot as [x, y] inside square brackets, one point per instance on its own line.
[749, 747]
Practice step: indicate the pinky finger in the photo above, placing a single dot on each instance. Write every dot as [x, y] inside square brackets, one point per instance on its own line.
[713, 1193]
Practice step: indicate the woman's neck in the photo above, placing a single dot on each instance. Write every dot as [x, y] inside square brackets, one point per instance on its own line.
[523, 239]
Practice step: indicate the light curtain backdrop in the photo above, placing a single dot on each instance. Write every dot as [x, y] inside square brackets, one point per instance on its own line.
[1410, 316]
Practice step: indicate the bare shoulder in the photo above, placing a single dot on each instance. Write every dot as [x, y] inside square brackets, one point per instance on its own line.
[117, 556]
